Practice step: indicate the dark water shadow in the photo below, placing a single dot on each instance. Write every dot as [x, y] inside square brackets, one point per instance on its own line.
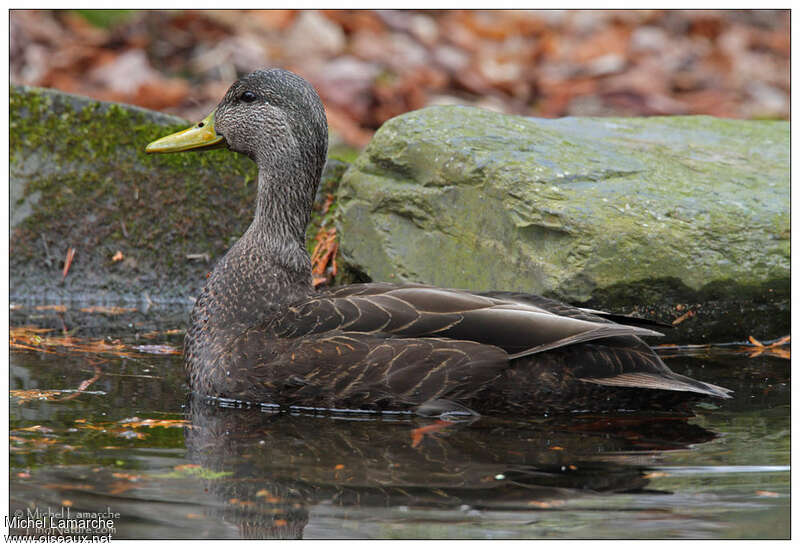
[280, 465]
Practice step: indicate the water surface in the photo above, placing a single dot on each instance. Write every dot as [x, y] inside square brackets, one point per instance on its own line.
[133, 442]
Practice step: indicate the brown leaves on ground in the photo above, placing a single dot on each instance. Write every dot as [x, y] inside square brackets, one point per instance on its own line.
[372, 65]
[323, 259]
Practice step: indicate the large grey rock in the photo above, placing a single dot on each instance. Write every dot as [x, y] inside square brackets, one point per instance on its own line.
[664, 212]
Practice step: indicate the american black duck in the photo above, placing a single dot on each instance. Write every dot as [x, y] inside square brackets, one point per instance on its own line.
[261, 333]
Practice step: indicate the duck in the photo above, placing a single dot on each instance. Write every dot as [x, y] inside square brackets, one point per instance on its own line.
[261, 333]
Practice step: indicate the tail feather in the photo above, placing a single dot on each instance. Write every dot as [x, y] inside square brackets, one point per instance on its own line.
[647, 380]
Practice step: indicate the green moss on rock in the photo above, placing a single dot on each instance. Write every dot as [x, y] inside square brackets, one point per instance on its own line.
[80, 178]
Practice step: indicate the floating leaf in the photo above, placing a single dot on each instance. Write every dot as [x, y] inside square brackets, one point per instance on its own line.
[36, 429]
[546, 504]
[108, 310]
[68, 262]
[56, 308]
[24, 396]
[136, 423]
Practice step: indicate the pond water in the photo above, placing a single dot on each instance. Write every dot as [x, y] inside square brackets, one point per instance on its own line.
[133, 444]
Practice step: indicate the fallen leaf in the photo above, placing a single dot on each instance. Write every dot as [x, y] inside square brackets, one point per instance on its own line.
[324, 253]
[56, 308]
[68, 262]
[655, 474]
[187, 466]
[24, 396]
[160, 423]
[108, 310]
[684, 316]
[127, 476]
[36, 429]
[120, 487]
[546, 504]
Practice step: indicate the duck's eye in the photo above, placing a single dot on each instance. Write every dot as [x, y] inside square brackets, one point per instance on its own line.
[248, 97]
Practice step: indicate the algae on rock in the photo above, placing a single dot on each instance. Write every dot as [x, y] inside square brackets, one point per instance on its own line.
[80, 179]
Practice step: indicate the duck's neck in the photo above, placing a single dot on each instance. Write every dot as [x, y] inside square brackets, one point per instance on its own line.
[270, 259]
[266, 269]
[275, 240]
[282, 211]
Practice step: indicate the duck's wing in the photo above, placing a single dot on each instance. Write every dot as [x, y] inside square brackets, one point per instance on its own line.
[571, 311]
[519, 327]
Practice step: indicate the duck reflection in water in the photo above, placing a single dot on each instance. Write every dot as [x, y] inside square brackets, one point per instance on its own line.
[282, 464]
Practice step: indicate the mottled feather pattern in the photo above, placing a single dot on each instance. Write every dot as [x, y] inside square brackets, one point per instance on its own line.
[384, 347]
[261, 333]
[357, 370]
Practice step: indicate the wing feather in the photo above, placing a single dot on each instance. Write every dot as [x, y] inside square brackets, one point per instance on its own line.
[519, 324]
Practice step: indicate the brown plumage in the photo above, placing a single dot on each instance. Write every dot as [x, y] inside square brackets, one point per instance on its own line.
[261, 333]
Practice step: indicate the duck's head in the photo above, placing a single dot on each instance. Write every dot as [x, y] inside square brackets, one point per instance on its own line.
[271, 115]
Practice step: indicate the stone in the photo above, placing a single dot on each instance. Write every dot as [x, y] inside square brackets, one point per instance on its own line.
[664, 213]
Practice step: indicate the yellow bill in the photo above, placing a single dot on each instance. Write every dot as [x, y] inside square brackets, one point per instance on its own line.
[200, 136]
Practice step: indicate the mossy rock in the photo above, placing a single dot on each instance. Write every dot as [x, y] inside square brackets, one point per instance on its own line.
[665, 213]
[80, 179]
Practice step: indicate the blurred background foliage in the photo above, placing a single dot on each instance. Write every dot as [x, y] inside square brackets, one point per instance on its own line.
[372, 65]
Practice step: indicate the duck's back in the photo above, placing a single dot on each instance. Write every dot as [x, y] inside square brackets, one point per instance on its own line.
[383, 346]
